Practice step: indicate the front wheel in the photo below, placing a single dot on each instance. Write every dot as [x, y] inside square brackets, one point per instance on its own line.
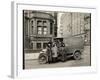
[42, 59]
[77, 55]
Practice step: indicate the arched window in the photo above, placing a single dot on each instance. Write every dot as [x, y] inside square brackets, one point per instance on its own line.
[32, 27]
[32, 23]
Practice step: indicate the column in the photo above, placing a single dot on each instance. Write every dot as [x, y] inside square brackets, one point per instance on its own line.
[48, 27]
[35, 26]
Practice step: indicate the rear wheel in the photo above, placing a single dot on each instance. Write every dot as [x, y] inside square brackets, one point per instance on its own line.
[77, 55]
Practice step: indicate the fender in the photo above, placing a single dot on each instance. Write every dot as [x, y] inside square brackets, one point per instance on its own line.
[77, 50]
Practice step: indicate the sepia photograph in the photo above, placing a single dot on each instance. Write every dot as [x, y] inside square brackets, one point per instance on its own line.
[54, 39]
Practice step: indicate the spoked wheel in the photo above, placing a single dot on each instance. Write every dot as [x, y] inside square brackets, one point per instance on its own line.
[42, 59]
[77, 55]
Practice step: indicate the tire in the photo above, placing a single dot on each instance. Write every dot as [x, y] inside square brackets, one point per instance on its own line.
[42, 59]
[77, 55]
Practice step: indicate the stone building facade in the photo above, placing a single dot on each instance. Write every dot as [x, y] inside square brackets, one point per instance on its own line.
[87, 28]
[39, 28]
[75, 24]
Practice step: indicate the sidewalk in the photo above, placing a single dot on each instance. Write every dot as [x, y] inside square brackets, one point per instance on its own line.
[29, 56]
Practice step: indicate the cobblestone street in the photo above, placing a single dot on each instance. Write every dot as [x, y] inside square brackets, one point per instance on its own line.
[85, 61]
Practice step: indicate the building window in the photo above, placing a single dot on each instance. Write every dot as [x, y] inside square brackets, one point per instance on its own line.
[45, 30]
[38, 45]
[42, 27]
[32, 23]
[39, 23]
[44, 23]
[39, 30]
[44, 45]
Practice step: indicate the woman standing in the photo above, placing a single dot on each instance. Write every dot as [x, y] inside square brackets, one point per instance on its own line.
[54, 52]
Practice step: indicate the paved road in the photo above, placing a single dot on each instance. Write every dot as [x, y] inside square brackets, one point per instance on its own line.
[85, 61]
